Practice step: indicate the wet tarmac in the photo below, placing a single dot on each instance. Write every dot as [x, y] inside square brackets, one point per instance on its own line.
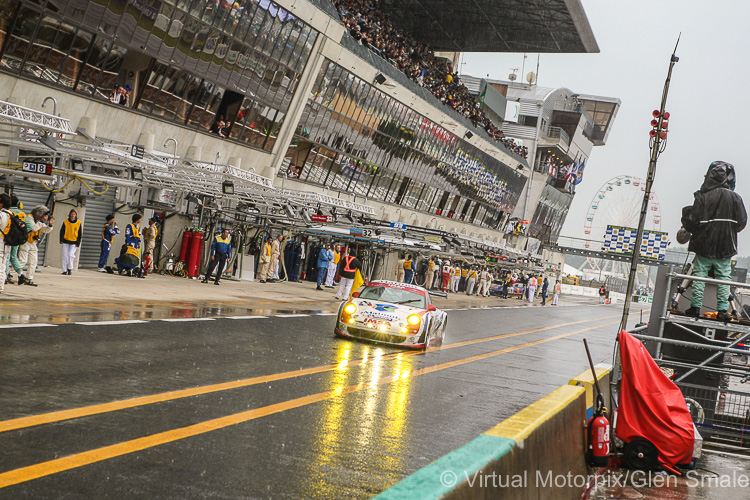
[263, 402]
[715, 477]
[73, 312]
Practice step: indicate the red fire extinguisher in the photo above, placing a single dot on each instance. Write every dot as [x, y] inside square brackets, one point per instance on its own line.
[597, 428]
[597, 431]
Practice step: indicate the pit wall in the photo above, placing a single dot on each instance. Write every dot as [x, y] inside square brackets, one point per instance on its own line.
[538, 453]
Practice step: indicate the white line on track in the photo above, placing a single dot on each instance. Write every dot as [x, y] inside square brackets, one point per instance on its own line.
[324, 314]
[176, 320]
[291, 315]
[26, 325]
[122, 322]
[245, 317]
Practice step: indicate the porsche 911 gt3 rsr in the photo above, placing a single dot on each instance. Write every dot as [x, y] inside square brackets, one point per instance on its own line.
[392, 313]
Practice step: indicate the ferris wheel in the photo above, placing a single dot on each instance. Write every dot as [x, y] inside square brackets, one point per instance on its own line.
[618, 203]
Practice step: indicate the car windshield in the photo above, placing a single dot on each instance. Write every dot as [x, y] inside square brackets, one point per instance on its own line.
[394, 296]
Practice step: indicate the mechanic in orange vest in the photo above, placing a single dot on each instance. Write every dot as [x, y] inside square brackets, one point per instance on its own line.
[348, 265]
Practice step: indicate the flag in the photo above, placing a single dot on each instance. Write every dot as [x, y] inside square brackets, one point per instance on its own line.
[572, 173]
[358, 282]
[482, 95]
[579, 173]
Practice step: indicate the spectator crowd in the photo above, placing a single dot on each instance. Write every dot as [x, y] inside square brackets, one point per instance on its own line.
[372, 27]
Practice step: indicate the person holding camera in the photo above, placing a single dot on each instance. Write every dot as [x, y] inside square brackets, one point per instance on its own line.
[38, 222]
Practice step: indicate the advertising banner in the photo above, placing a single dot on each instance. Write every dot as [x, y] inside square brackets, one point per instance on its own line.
[620, 239]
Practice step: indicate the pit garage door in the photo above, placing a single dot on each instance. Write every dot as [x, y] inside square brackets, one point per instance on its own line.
[97, 209]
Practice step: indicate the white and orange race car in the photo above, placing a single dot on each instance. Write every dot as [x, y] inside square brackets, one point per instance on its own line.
[392, 313]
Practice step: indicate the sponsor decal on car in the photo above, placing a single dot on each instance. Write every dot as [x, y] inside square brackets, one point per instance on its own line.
[378, 315]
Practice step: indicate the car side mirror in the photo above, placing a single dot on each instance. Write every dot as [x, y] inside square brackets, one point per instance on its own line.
[431, 308]
[355, 294]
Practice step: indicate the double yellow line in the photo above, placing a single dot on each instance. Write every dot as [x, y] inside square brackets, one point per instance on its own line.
[31, 472]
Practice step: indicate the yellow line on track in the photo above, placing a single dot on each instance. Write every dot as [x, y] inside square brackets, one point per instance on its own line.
[85, 411]
[50, 467]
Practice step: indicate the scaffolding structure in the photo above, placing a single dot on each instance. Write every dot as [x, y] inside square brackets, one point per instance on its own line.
[706, 358]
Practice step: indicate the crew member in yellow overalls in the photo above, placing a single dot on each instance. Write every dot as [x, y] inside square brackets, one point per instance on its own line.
[408, 269]
[472, 281]
[130, 254]
[464, 278]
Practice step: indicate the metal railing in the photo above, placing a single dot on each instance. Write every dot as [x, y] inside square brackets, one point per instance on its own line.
[558, 133]
[709, 359]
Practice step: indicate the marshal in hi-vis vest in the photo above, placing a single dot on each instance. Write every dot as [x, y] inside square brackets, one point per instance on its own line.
[71, 229]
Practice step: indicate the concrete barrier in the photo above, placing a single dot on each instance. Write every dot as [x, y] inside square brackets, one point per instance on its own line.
[590, 292]
[538, 453]
[586, 380]
[616, 297]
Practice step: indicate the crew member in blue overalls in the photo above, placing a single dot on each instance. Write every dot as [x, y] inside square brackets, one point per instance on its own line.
[221, 248]
[108, 234]
[324, 257]
[130, 254]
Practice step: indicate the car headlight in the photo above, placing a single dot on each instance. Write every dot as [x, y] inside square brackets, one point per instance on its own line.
[350, 308]
[414, 319]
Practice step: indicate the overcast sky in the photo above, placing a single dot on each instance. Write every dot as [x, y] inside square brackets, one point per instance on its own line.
[707, 98]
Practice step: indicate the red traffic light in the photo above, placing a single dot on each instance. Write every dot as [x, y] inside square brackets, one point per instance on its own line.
[652, 133]
[666, 115]
[656, 113]
[654, 123]
[664, 124]
[663, 135]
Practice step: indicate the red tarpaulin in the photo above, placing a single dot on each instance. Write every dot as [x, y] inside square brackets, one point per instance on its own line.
[651, 406]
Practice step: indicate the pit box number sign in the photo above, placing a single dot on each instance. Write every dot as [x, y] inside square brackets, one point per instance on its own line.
[37, 168]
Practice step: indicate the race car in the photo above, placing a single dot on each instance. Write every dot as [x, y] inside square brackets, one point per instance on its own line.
[392, 313]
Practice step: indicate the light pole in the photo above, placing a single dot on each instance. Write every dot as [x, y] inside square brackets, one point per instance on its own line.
[174, 152]
[54, 104]
[658, 143]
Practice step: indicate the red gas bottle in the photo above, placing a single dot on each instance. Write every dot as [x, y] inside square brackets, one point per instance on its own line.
[185, 248]
[194, 255]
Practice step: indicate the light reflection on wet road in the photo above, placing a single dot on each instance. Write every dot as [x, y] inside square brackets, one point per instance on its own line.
[366, 418]
[62, 313]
